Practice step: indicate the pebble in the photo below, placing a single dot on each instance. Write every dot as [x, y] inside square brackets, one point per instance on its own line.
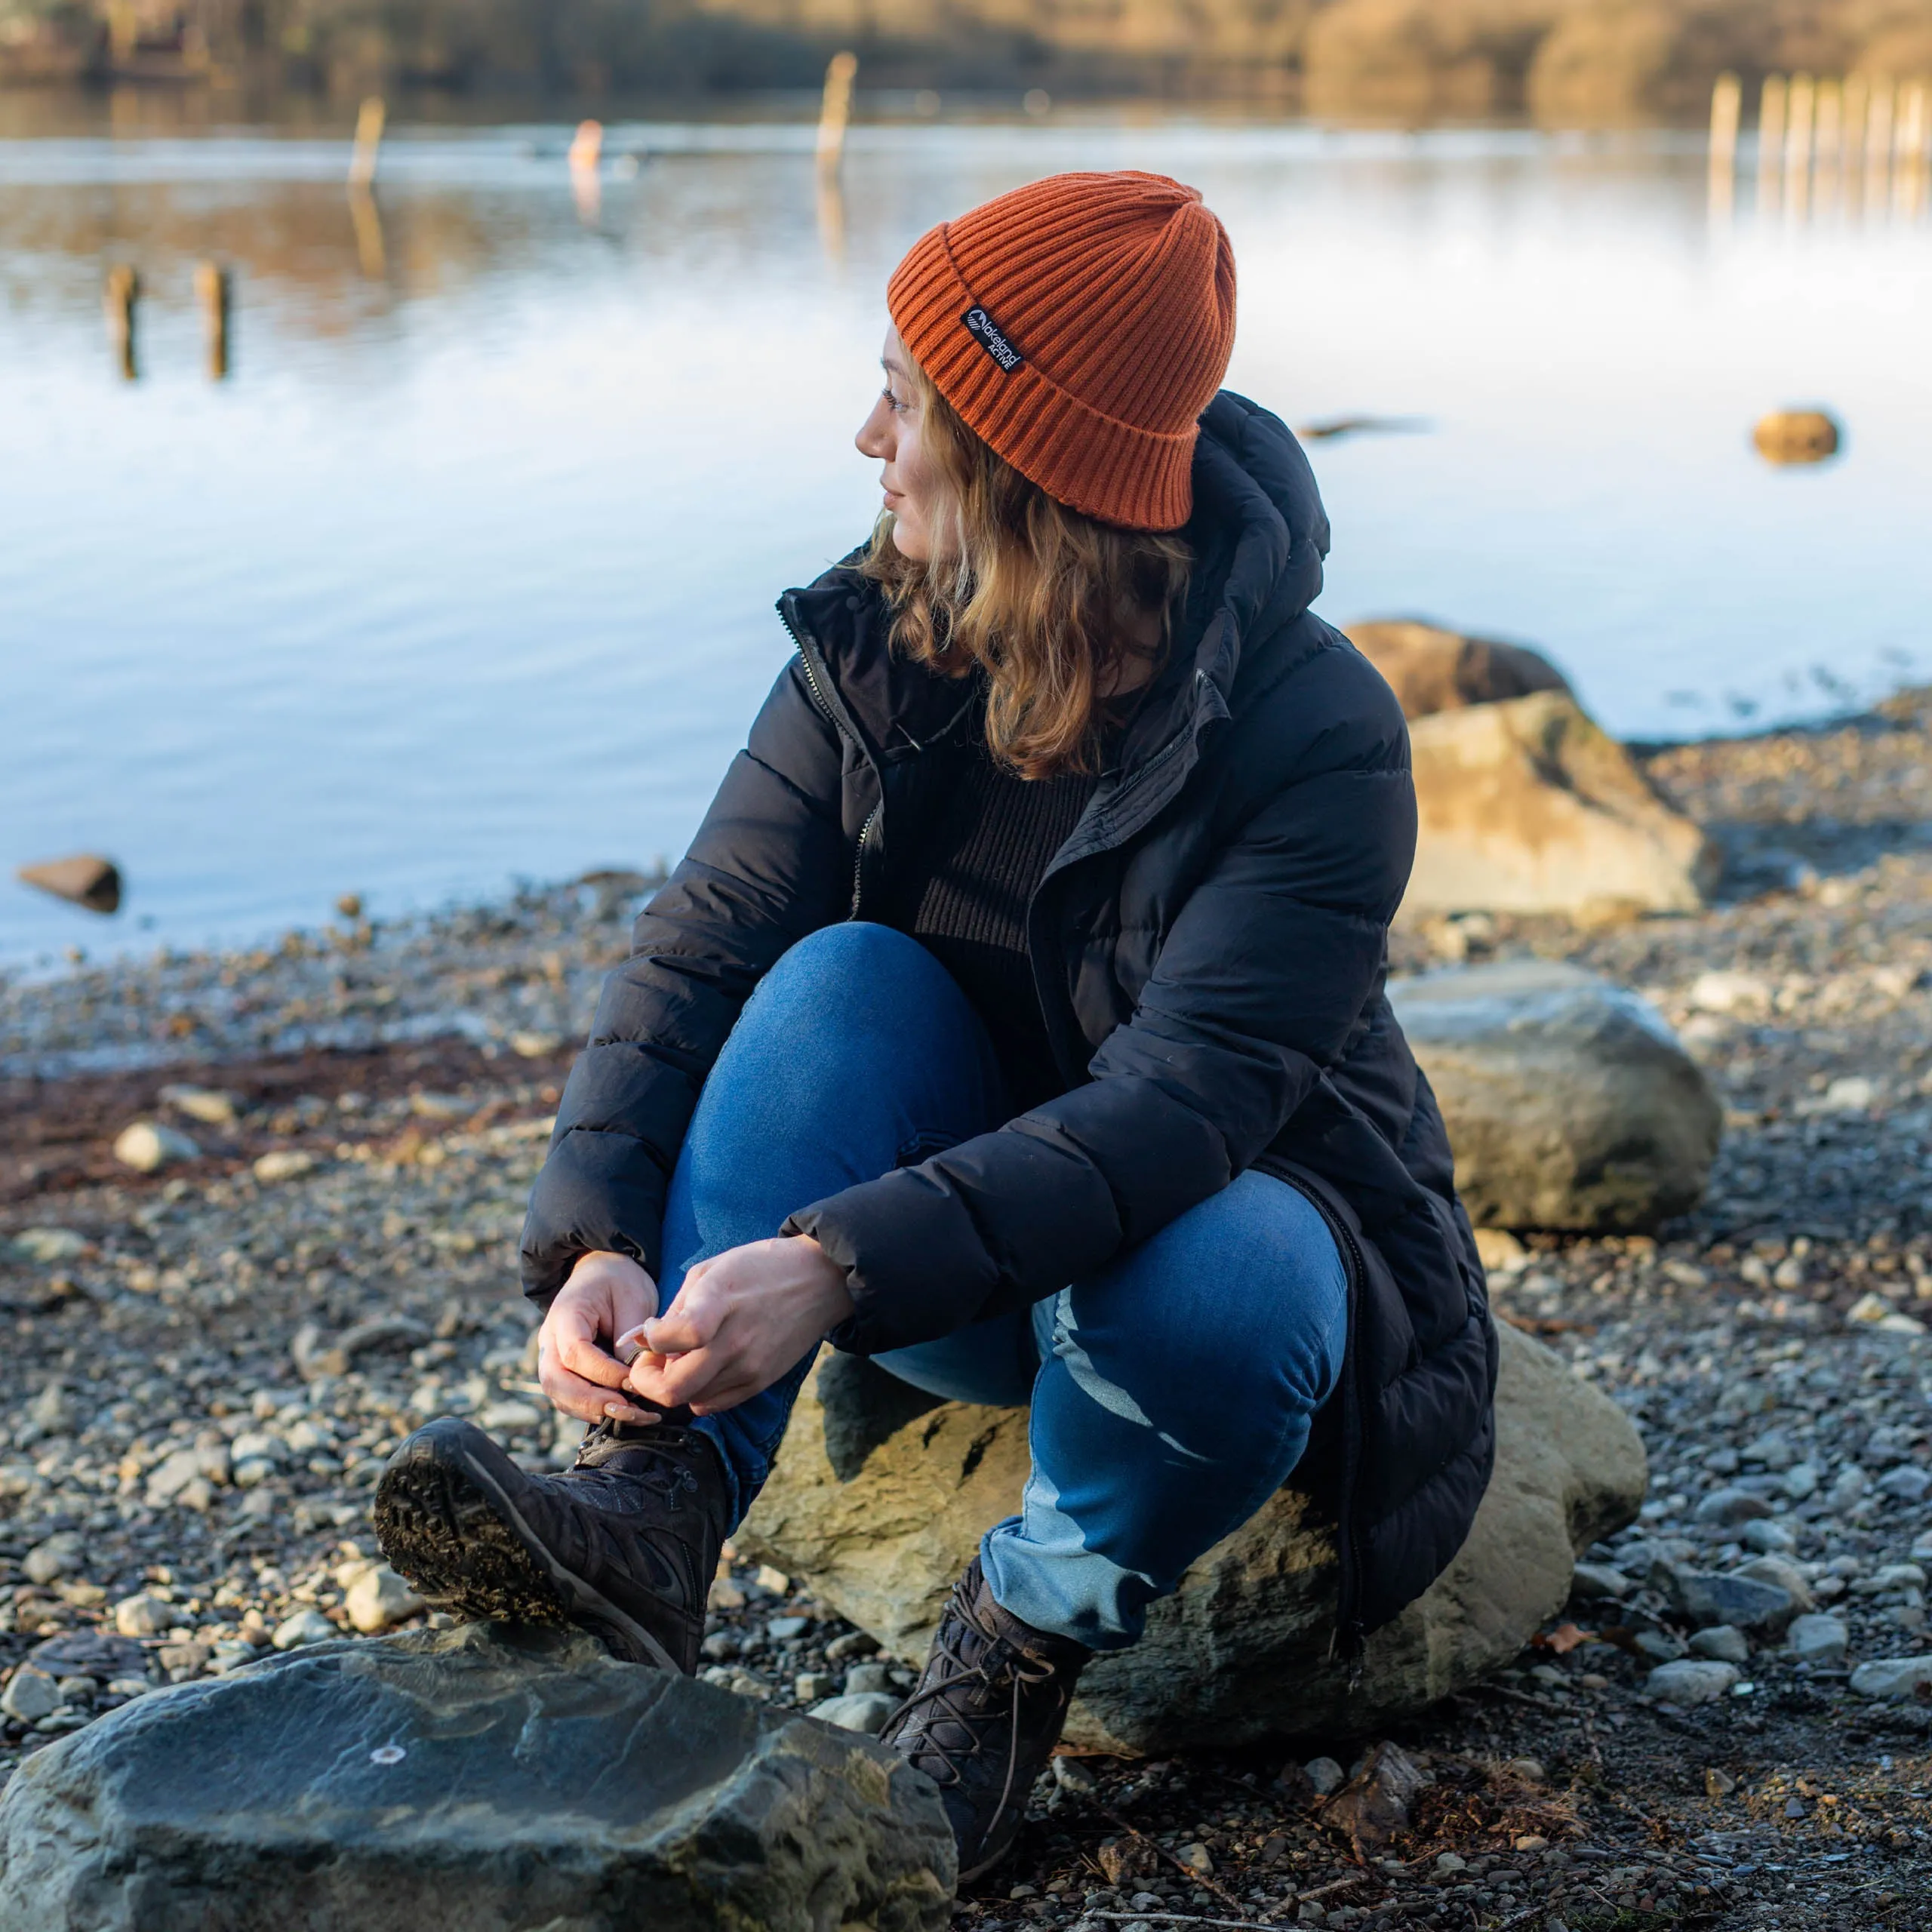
[866, 1711]
[59, 1556]
[1893, 1677]
[866, 1677]
[1723, 1643]
[284, 1163]
[30, 1695]
[147, 1147]
[306, 1626]
[1326, 1775]
[1819, 1639]
[1690, 1682]
[376, 1600]
[143, 1616]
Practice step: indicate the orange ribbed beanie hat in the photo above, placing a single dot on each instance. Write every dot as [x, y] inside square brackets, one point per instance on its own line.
[1080, 326]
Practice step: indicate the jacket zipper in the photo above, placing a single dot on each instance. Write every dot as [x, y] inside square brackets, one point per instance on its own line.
[831, 717]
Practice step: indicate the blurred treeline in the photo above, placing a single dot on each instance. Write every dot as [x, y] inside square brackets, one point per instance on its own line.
[1557, 59]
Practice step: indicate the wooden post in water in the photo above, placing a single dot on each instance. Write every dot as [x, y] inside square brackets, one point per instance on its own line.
[1909, 157]
[1829, 141]
[214, 294]
[369, 120]
[586, 152]
[1878, 145]
[122, 291]
[1798, 145]
[1770, 139]
[836, 108]
[1727, 106]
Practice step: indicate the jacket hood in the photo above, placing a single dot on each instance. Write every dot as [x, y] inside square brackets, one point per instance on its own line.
[1259, 534]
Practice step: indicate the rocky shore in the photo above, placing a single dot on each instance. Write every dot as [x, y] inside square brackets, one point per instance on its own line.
[210, 1359]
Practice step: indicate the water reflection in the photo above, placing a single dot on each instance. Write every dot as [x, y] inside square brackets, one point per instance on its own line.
[466, 568]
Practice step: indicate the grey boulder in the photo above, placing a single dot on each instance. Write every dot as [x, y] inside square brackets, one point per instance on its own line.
[881, 1495]
[1569, 1102]
[471, 1780]
[1819, 1639]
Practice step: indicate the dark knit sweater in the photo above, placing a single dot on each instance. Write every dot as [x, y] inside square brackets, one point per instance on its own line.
[965, 898]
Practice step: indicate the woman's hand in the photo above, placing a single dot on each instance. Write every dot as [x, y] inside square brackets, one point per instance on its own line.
[606, 1296]
[739, 1322]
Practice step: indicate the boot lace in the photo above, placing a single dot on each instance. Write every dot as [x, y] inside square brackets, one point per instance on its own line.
[976, 1694]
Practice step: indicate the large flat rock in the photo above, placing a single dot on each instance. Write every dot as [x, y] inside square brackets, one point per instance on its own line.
[471, 1780]
[1570, 1102]
[881, 1495]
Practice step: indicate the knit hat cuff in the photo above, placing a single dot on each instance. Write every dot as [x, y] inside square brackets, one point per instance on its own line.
[1139, 479]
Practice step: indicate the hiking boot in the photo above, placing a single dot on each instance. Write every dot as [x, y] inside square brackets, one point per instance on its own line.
[623, 1545]
[986, 1717]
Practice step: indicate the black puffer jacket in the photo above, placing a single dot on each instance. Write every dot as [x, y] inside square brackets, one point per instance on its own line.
[1210, 946]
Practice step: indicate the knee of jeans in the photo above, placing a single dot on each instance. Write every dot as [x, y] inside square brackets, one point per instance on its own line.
[852, 969]
[1213, 1371]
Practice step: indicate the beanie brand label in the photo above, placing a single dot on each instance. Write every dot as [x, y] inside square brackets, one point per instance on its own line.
[988, 334]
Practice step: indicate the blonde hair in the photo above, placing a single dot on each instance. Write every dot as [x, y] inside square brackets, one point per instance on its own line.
[1032, 593]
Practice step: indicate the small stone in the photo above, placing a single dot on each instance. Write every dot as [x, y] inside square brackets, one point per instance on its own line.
[1726, 1507]
[813, 1686]
[147, 1147]
[1893, 1677]
[306, 1626]
[1690, 1682]
[1198, 1859]
[1724, 1642]
[775, 1581]
[866, 1711]
[1771, 1538]
[210, 1105]
[1800, 1482]
[1590, 1582]
[1327, 1777]
[30, 1696]
[186, 1477]
[532, 1045]
[1785, 1575]
[854, 1643]
[59, 1555]
[1718, 1784]
[81, 878]
[284, 1164]
[376, 1599]
[143, 1616]
[1070, 1774]
[46, 1246]
[781, 1629]
[1704, 1597]
[1447, 1861]
[1906, 1483]
[869, 1678]
[1819, 1639]
[1659, 1646]
[1531, 1841]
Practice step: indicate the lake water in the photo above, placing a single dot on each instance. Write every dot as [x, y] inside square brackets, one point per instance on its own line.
[464, 572]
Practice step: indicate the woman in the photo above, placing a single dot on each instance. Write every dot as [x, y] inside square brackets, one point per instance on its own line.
[1015, 1019]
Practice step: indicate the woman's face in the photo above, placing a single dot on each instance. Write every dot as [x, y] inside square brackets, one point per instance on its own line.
[892, 434]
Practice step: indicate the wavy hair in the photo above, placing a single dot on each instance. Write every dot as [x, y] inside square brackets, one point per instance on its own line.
[1036, 595]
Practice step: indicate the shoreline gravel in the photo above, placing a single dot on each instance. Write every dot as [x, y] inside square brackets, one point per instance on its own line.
[209, 1361]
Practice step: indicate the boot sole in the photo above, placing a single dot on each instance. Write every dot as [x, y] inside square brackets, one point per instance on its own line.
[448, 1520]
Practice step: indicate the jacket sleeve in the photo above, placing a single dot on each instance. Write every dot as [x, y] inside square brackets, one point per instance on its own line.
[769, 863]
[1261, 978]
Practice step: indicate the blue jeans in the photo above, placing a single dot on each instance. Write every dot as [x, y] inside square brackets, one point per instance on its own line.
[1171, 1393]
